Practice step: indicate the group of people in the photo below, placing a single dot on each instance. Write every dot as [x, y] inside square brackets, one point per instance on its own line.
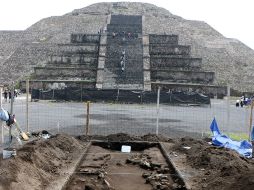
[8, 94]
[242, 101]
[102, 30]
[123, 34]
[122, 62]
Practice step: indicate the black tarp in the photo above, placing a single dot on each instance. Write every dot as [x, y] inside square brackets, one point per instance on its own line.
[125, 96]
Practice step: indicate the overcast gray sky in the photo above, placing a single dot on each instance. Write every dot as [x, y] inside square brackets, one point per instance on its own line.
[232, 18]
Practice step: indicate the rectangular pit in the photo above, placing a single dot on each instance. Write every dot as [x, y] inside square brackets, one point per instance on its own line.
[104, 166]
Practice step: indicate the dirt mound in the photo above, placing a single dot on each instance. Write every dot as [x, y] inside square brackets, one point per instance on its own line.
[123, 137]
[223, 168]
[41, 159]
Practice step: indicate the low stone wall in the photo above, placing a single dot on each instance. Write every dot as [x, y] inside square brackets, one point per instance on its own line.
[163, 39]
[184, 76]
[83, 48]
[90, 60]
[165, 49]
[47, 85]
[85, 38]
[176, 63]
[64, 72]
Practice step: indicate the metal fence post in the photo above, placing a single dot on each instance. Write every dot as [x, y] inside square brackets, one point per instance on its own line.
[117, 94]
[11, 112]
[1, 96]
[228, 105]
[87, 117]
[1, 124]
[250, 127]
[12, 98]
[158, 110]
[27, 106]
[81, 93]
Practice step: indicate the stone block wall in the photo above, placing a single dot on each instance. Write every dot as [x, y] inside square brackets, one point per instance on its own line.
[163, 39]
[172, 63]
[168, 49]
[84, 38]
[183, 76]
[163, 62]
[66, 73]
[76, 61]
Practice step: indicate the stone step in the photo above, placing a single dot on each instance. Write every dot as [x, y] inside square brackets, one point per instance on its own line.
[119, 41]
[65, 72]
[120, 34]
[123, 86]
[70, 49]
[163, 39]
[132, 62]
[85, 38]
[131, 54]
[170, 56]
[182, 63]
[70, 66]
[74, 59]
[126, 75]
[66, 78]
[169, 49]
[190, 76]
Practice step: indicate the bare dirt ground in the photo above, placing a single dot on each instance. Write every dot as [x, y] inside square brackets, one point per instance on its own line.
[49, 164]
[40, 164]
[108, 168]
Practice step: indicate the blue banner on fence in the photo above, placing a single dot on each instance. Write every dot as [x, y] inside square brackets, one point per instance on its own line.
[242, 147]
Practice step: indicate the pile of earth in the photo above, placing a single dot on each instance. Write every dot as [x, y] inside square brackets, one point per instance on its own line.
[222, 168]
[122, 137]
[39, 164]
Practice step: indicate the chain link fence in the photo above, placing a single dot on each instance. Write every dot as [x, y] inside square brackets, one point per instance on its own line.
[134, 118]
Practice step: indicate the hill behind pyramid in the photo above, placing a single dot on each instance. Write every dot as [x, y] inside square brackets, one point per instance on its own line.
[231, 60]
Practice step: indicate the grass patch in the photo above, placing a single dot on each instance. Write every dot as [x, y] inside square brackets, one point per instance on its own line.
[233, 136]
[238, 136]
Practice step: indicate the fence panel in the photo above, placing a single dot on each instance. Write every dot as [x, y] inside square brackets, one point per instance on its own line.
[135, 119]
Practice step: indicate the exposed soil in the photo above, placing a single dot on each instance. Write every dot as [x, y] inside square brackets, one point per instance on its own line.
[107, 168]
[46, 164]
[39, 163]
[122, 137]
[213, 167]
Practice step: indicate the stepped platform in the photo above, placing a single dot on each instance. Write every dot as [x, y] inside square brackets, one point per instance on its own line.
[184, 76]
[176, 63]
[121, 57]
[60, 84]
[72, 72]
[85, 38]
[163, 39]
[168, 49]
[74, 62]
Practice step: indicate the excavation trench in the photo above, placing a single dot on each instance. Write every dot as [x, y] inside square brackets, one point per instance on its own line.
[104, 166]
